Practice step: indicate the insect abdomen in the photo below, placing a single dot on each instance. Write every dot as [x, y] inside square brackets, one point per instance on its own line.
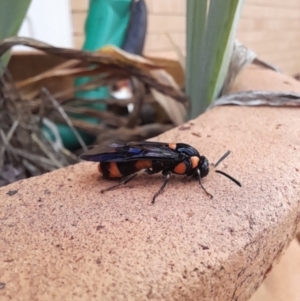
[122, 169]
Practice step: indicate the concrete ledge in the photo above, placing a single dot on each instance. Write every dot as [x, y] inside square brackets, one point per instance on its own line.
[63, 240]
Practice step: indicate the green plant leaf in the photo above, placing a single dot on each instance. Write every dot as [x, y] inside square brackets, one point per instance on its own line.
[211, 28]
[195, 22]
[12, 13]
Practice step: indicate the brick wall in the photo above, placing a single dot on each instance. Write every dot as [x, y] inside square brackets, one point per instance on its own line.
[269, 27]
[79, 9]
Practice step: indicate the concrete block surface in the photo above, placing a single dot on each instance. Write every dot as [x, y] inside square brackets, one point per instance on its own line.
[61, 239]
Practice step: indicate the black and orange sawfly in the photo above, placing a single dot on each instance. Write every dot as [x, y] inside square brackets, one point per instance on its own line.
[124, 161]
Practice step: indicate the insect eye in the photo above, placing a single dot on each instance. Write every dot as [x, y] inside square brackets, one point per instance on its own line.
[204, 166]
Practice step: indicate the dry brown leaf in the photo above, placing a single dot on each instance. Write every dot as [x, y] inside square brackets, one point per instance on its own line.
[108, 117]
[259, 98]
[83, 71]
[132, 65]
[105, 56]
[241, 57]
[128, 58]
[173, 67]
[175, 110]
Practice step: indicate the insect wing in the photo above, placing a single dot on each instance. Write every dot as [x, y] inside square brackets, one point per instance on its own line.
[154, 150]
[101, 153]
[151, 153]
[131, 152]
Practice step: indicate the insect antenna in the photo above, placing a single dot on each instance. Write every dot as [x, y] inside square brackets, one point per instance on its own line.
[222, 158]
[225, 174]
[229, 177]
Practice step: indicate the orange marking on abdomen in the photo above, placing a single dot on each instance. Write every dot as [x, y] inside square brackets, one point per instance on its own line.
[172, 146]
[195, 161]
[114, 170]
[142, 164]
[180, 168]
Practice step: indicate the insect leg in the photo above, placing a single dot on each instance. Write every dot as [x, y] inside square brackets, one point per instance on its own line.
[167, 175]
[123, 182]
[199, 174]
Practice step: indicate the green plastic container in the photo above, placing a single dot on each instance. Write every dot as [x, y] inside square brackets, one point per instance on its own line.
[106, 24]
